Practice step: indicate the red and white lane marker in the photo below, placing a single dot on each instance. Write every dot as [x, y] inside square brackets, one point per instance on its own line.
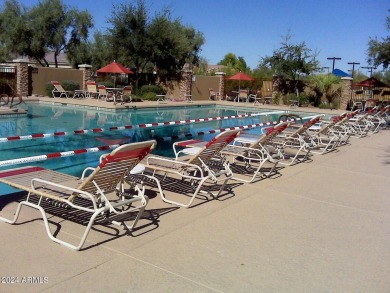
[56, 155]
[108, 147]
[144, 125]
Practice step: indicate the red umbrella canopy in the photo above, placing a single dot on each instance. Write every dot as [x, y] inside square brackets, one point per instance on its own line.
[241, 76]
[371, 82]
[114, 67]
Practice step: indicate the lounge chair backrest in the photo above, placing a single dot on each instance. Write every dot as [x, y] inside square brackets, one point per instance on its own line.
[127, 90]
[306, 126]
[57, 86]
[271, 133]
[214, 147]
[243, 94]
[102, 89]
[116, 166]
[212, 94]
[91, 86]
[325, 129]
[266, 89]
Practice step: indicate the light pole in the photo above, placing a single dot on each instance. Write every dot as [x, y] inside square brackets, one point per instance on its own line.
[370, 68]
[334, 59]
[353, 66]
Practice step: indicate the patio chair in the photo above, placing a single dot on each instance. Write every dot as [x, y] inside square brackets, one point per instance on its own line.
[242, 96]
[214, 96]
[100, 194]
[192, 168]
[359, 125]
[125, 95]
[104, 94]
[92, 91]
[266, 91]
[295, 144]
[257, 98]
[250, 154]
[322, 138]
[339, 126]
[379, 119]
[58, 89]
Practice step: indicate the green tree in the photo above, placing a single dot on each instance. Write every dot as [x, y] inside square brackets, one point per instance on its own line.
[202, 67]
[323, 86]
[145, 43]
[101, 51]
[234, 63]
[291, 61]
[15, 35]
[50, 26]
[379, 50]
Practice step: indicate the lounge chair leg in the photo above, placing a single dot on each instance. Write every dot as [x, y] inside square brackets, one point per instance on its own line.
[46, 222]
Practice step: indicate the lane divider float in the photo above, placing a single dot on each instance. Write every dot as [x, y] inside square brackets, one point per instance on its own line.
[144, 125]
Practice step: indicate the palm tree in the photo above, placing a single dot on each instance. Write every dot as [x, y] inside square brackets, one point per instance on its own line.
[324, 87]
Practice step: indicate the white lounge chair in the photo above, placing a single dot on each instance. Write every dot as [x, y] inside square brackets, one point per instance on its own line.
[58, 89]
[193, 167]
[102, 193]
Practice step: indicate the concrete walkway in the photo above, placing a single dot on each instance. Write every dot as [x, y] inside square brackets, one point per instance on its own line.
[323, 226]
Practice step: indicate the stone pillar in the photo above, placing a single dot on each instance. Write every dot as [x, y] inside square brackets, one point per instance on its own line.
[186, 81]
[22, 80]
[87, 75]
[276, 81]
[346, 92]
[221, 88]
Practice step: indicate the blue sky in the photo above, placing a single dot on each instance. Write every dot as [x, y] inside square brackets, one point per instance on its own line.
[254, 28]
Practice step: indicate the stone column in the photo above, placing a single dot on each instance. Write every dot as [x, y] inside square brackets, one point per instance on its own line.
[186, 81]
[22, 80]
[346, 92]
[221, 89]
[87, 74]
[276, 82]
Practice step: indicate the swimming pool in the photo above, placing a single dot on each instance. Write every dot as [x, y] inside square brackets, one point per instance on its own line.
[102, 127]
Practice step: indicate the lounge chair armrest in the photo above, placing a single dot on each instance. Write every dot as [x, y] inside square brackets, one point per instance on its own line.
[75, 190]
[85, 172]
[175, 162]
[172, 161]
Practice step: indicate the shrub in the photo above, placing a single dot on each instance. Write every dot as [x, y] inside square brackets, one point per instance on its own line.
[334, 105]
[288, 98]
[276, 98]
[303, 99]
[107, 83]
[324, 106]
[157, 90]
[70, 85]
[48, 89]
[149, 96]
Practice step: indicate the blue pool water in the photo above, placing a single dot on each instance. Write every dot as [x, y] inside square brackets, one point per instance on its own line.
[48, 119]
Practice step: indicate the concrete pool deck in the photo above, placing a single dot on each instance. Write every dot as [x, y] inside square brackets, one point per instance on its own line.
[323, 226]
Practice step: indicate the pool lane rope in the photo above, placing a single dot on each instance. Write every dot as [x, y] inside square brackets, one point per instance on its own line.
[107, 147]
[244, 127]
[56, 155]
[144, 125]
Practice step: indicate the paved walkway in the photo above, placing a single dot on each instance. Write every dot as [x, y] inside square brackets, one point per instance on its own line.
[323, 226]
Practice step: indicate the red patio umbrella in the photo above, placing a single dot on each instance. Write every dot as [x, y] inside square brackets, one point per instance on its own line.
[115, 68]
[240, 76]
